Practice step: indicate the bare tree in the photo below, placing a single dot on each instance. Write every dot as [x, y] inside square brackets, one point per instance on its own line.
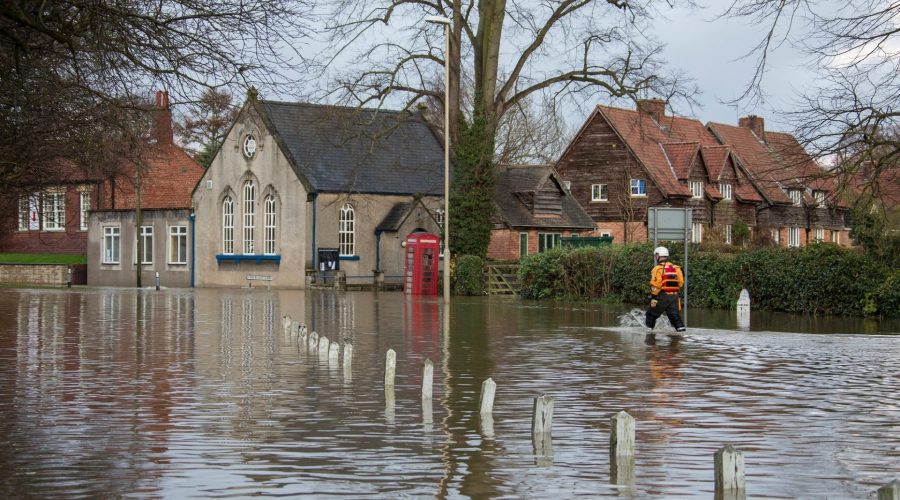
[847, 117]
[68, 62]
[203, 129]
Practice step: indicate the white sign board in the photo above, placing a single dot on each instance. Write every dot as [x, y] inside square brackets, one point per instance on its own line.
[668, 224]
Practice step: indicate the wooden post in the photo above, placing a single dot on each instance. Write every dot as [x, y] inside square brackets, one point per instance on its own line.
[488, 389]
[729, 465]
[334, 352]
[323, 346]
[621, 434]
[313, 340]
[286, 324]
[542, 418]
[302, 333]
[890, 491]
[390, 368]
[427, 379]
[295, 328]
[348, 355]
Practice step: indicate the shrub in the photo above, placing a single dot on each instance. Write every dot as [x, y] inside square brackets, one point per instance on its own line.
[885, 300]
[469, 278]
[540, 274]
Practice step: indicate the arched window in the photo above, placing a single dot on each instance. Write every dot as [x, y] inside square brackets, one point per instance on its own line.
[270, 226]
[347, 231]
[249, 216]
[228, 225]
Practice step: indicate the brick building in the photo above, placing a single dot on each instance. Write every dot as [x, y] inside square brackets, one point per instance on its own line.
[533, 210]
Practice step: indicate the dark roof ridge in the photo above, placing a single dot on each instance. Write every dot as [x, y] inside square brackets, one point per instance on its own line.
[338, 107]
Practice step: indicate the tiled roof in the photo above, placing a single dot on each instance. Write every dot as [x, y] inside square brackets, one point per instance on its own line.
[715, 158]
[776, 164]
[342, 149]
[681, 156]
[167, 182]
[712, 192]
[514, 181]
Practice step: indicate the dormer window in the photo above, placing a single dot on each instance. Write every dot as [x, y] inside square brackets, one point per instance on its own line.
[796, 196]
[820, 198]
[696, 190]
[726, 190]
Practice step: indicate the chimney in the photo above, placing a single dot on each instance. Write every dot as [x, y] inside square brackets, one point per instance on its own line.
[755, 124]
[162, 119]
[656, 108]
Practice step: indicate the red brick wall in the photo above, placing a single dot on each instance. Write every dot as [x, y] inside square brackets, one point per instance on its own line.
[73, 240]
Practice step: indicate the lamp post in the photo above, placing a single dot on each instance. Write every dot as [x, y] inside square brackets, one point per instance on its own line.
[446, 23]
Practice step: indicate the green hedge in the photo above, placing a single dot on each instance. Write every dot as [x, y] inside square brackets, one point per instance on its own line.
[820, 278]
[468, 276]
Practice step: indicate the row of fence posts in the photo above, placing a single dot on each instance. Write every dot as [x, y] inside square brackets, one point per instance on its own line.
[728, 462]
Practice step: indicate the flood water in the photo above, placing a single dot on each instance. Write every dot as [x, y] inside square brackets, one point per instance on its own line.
[198, 393]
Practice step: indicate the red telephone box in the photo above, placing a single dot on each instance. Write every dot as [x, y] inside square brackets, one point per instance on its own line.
[422, 253]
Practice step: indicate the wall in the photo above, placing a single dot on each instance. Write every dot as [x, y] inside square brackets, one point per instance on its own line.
[34, 274]
[72, 240]
[125, 272]
[272, 173]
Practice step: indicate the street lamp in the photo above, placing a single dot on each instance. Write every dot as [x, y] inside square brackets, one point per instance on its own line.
[446, 23]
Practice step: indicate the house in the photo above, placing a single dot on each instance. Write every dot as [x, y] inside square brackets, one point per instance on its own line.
[166, 176]
[293, 180]
[533, 210]
[622, 162]
[800, 202]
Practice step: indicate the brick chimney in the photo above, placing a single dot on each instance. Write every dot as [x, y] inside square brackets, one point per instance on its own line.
[656, 108]
[754, 123]
[162, 119]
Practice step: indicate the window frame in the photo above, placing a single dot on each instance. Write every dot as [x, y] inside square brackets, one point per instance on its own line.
[523, 244]
[599, 192]
[729, 234]
[24, 213]
[548, 241]
[270, 225]
[179, 233]
[727, 190]
[819, 234]
[835, 237]
[248, 218]
[347, 231]
[84, 206]
[696, 190]
[696, 232]
[139, 234]
[793, 237]
[820, 197]
[796, 196]
[59, 209]
[641, 188]
[111, 234]
[228, 225]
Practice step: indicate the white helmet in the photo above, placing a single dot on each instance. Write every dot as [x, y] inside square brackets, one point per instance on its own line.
[661, 252]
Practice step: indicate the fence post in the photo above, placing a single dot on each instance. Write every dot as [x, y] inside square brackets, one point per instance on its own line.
[323, 347]
[729, 465]
[488, 389]
[286, 324]
[890, 491]
[621, 434]
[427, 379]
[542, 418]
[313, 341]
[390, 368]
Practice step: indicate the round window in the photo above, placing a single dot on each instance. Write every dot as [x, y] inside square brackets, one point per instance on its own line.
[249, 146]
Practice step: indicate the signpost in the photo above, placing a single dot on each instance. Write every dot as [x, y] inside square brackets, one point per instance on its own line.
[672, 224]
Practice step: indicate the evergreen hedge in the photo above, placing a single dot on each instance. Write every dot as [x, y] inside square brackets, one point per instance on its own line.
[819, 278]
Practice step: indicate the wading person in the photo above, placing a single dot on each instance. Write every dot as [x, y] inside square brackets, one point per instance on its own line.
[666, 280]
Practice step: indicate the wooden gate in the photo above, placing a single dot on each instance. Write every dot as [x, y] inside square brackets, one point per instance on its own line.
[502, 279]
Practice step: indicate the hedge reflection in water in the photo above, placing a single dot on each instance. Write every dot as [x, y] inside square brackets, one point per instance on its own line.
[199, 393]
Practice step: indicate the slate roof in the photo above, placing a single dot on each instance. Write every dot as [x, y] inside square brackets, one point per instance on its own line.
[343, 149]
[394, 217]
[511, 182]
[777, 163]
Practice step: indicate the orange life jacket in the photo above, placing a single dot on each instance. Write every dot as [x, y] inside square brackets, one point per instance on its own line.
[670, 279]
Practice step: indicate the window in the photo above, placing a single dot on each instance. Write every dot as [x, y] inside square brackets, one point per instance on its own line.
[270, 226]
[84, 200]
[794, 237]
[696, 232]
[249, 216]
[605, 233]
[638, 187]
[55, 210]
[228, 226]
[178, 245]
[728, 229]
[776, 236]
[796, 196]
[546, 241]
[146, 235]
[836, 236]
[523, 244]
[24, 213]
[111, 245]
[696, 189]
[347, 231]
[439, 218]
[599, 192]
[820, 198]
[820, 234]
[726, 190]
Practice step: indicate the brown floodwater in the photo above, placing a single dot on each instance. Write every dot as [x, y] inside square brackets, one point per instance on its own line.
[198, 393]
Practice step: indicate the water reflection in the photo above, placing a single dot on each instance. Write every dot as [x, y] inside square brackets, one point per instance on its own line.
[109, 393]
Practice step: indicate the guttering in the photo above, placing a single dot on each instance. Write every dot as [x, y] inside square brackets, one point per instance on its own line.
[377, 251]
[193, 246]
[314, 196]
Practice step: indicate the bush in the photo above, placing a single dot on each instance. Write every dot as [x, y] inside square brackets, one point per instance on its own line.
[469, 277]
[885, 300]
[540, 274]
